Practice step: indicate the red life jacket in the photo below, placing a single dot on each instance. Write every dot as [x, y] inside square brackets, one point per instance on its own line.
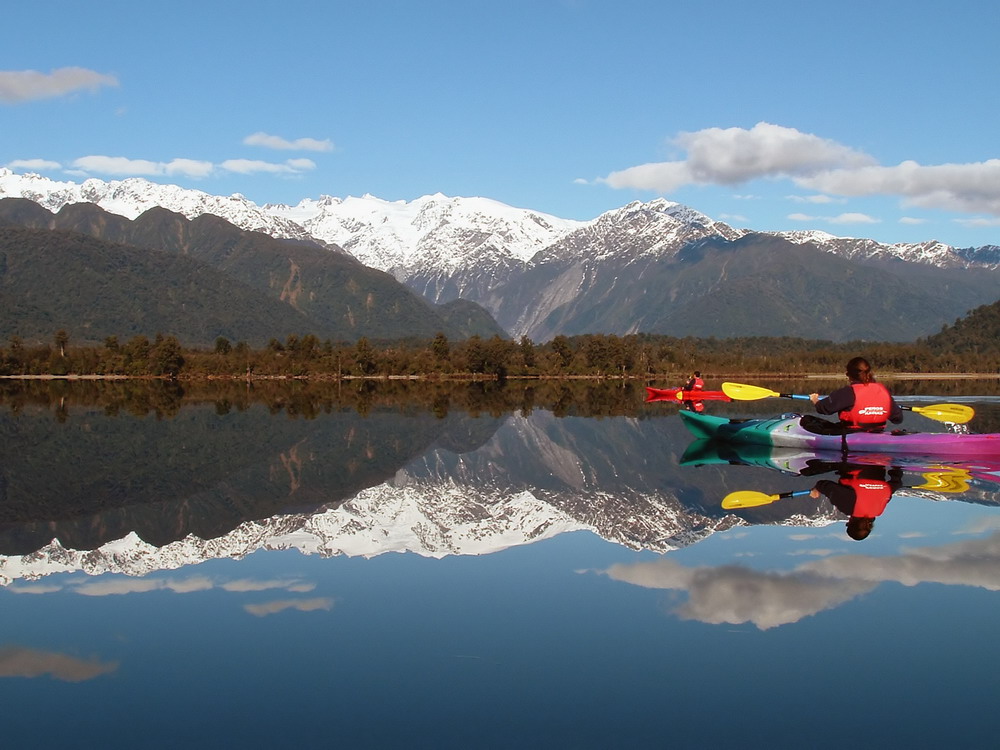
[697, 384]
[871, 495]
[872, 404]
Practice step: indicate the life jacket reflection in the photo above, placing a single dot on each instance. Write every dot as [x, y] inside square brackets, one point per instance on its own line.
[871, 495]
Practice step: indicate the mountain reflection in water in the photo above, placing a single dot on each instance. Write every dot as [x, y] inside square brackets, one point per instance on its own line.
[178, 474]
[203, 565]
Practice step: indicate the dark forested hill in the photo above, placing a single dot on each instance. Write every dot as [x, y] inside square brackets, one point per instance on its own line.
[52, 280]
[976, 333]
[198, 279]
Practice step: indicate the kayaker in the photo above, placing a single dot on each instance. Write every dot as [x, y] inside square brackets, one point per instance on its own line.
[694, 383]
[864, 404]
[862, 493]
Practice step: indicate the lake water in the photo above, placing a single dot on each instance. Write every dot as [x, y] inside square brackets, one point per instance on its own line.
[383, 565]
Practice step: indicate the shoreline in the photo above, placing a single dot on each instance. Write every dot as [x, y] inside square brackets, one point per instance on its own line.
[472, 378]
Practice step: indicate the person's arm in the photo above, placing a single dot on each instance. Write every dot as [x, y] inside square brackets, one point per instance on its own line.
[895, 412]
[840, 400]
[841, 497]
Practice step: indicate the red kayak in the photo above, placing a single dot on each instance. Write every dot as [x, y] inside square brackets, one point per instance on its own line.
[678, 395]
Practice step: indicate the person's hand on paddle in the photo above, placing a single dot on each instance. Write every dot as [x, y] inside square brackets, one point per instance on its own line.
[814, 397]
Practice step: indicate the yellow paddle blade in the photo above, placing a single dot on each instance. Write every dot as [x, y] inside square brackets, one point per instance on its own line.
[949, 480]
[957, 413]
[747, 499]
[742, 392]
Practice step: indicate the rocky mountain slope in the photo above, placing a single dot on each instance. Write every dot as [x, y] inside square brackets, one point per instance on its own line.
[647, 267]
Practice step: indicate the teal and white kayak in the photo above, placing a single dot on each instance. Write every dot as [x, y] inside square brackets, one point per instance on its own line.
[787, 431]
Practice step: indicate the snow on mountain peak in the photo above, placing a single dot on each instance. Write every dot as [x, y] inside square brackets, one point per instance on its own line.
[434, 229]
[135, 195]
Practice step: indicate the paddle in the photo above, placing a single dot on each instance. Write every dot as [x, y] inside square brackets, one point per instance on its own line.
[955, 413]
[954, 480]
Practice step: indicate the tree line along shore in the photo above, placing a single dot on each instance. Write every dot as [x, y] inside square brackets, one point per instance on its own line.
[645, 356]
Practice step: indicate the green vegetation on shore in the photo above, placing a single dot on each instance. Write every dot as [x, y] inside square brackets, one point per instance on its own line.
[592, 355]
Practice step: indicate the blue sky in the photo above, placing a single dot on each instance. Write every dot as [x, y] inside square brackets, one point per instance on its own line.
[867, 119]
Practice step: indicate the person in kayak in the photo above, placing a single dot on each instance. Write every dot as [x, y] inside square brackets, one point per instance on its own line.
[694, 383]
[863, 405]
[862, 492]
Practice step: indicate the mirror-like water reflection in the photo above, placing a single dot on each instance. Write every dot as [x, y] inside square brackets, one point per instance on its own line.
[210, 566]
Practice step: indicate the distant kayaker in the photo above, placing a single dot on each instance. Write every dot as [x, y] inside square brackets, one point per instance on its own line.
[863, 405]
[694, 383]
[862, 493]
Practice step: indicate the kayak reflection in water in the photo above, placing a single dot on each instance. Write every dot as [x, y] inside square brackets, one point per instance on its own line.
[694, 383]
[861, 492]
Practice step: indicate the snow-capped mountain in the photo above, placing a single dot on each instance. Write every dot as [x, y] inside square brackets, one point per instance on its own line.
[931, 252]
[133, 196]
[540, 276]
[451, 233]
[433, 229]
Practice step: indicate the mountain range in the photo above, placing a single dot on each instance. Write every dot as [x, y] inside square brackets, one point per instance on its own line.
[653, 267]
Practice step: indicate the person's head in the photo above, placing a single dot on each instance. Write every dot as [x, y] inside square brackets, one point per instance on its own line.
[859, 527]
[859, 371]
[697, 373]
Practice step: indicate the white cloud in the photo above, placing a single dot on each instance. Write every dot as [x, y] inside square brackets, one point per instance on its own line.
[844, 218]
[911, 220]
[731, 156]
[26, 85]
[282, 144]
[123, 166]
[853, 217]
[968, 188]
[188, 168]
[820, 199]
[979, 222]
[39, 164]
[253, 166]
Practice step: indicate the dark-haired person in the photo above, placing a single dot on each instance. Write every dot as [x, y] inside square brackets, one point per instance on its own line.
[694, 383]
[862, 405]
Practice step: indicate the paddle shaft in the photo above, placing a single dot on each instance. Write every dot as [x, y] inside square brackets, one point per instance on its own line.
[955, 413]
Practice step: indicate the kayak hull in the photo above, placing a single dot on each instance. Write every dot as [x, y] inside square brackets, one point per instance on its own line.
[786, 431]
[679, 395]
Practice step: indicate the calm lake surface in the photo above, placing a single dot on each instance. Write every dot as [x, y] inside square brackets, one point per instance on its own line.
[387, 565]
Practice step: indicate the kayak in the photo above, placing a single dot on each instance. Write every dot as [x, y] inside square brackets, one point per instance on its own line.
[786, 431]
[679, 394]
